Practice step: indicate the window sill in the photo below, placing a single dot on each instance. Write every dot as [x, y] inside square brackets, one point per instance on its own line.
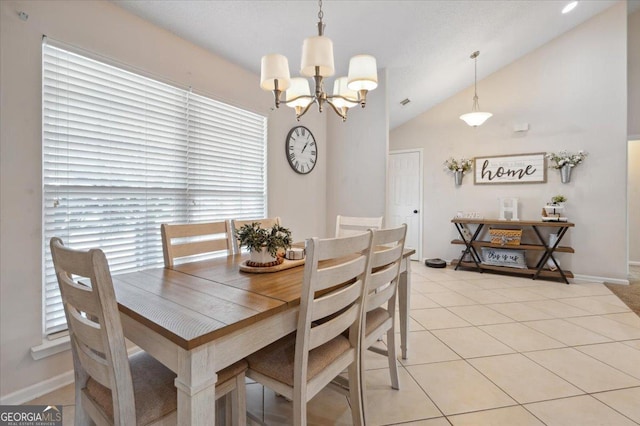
[51, 347]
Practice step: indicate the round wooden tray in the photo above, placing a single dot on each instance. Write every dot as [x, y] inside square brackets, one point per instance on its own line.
[286, 264]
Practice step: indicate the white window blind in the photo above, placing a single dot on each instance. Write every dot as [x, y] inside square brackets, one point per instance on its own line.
[123, 153]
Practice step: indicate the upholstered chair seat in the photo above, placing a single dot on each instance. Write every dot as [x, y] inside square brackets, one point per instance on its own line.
[153, 389]
[277, 360]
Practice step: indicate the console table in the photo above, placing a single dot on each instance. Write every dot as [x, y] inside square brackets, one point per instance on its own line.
[475, 241]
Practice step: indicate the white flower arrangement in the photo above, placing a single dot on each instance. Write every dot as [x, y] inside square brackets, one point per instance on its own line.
[565, 158]
[461, 165]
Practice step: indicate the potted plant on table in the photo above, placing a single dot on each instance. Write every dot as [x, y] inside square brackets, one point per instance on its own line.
[554, 209]
[558, 200]
[264, 244]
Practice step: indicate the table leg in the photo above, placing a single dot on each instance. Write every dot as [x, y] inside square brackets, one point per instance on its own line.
[196, 385]
[469, 248]
[548, 254]
[404, 296]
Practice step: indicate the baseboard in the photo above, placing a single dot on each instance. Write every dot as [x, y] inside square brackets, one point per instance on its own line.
[634, 263]
[34, 391]
[602, 280]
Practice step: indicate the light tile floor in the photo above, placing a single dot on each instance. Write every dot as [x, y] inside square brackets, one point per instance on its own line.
[489, 350]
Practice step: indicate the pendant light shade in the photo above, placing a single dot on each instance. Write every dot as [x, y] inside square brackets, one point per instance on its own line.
[475, 118]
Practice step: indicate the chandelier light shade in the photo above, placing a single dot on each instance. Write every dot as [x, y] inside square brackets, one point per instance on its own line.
[317, 63]
[298, 95]
[475, 118]
[274, 70]
[344, 97]
[317, 52]
[363, 73]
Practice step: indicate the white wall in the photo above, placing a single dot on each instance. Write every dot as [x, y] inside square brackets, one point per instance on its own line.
[103, 28]
[633, 114]
[573, 93]
[634, 73]
[357, 158]
[634, 202]
[299, 200]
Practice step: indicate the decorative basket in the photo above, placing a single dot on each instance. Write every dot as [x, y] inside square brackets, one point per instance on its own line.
[505, 237]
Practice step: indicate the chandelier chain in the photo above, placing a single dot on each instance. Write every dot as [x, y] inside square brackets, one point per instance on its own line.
[320, 12]
[476, 104]
[475, 76]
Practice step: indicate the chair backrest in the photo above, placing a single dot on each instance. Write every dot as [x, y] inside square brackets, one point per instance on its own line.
[194, 238]
[236, 224]
[333, 287]
[382, 283]
[350, 225]
[95, 330]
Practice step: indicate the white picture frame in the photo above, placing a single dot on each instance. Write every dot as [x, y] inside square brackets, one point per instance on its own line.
[514, 168]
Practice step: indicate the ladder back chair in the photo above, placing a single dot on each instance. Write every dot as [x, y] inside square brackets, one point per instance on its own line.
[302, 364]
[194, 238]
[380, 296]
[236, 224]
[351, 225]
[104, 374]
[110, 387]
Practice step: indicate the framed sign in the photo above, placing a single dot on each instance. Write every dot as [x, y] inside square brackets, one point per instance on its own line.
[519, 168]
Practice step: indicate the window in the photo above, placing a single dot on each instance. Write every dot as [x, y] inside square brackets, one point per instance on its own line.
[123, 153]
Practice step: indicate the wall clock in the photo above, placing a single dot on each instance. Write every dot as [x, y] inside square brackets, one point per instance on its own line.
[301, 150]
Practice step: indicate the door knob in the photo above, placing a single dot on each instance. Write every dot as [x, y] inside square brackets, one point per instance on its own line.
[415, 211]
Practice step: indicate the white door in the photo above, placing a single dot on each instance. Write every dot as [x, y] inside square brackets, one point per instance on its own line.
[404, 204]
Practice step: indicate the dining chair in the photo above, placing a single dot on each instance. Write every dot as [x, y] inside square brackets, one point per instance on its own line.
[351, 225]
[380, 297]
[112, 388]
[301, 364]
[236, 224]
[182, 240]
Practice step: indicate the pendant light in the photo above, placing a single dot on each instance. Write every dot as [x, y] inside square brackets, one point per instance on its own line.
[475, 118]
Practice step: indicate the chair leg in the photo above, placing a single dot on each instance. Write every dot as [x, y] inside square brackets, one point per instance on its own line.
[392, 358]
[356, 391]
[300, 408]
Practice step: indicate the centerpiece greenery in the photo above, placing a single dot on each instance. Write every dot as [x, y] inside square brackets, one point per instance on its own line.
[557, 199]
[257, 239]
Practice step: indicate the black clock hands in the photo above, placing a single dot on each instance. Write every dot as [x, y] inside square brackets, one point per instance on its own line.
[304, 147]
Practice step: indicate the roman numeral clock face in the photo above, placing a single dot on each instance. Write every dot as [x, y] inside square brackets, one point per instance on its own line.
[301, 149]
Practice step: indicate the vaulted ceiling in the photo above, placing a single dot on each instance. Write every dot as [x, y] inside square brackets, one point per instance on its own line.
[424, 45]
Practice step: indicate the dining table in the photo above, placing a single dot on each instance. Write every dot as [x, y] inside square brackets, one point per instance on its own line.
[200, 317]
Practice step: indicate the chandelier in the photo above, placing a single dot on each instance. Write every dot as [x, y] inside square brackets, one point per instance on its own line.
[475, 118]
[317, 63]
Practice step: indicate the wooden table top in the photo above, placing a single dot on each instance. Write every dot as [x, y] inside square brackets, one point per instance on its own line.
[552, 224]
[196, 303]
[191, 310]
[284, 286]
